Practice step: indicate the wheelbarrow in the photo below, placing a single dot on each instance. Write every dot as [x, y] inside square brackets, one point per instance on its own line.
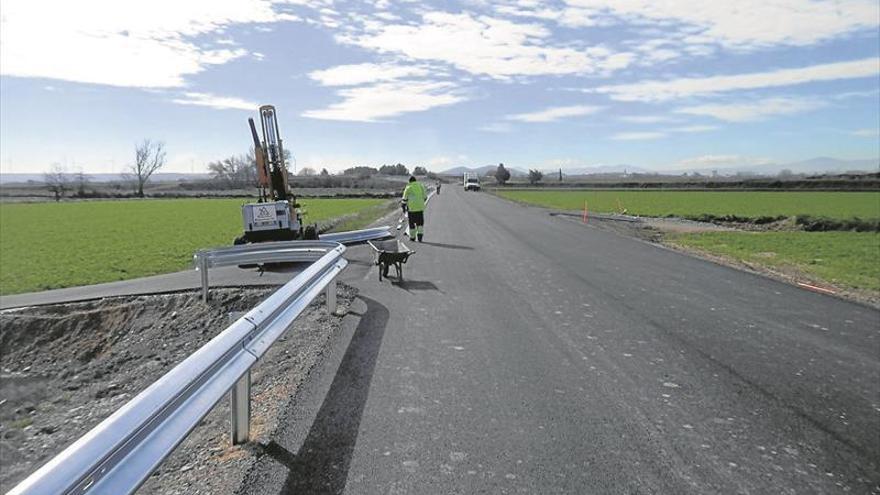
[392, 252]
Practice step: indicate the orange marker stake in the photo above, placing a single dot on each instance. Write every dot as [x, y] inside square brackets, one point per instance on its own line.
[821, 290]
[586, 212]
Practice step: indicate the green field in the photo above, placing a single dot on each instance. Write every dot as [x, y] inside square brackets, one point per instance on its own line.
[53, 245]
[693, 204]
[843, 258]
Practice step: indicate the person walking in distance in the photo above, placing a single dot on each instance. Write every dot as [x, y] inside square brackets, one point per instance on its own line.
[438, 187]
[415, 195]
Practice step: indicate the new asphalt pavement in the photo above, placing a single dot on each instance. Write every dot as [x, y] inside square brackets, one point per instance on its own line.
[524, 353]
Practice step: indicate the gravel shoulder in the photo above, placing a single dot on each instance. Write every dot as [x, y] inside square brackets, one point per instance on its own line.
[66, 367]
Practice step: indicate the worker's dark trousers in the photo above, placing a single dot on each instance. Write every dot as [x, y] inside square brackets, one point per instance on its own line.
[416, 223]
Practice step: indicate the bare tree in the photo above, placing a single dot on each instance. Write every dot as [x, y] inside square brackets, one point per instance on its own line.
[82, 180]
[56, 180]
[149, 156]
[236, 171]
[535, 176]
[307, 172]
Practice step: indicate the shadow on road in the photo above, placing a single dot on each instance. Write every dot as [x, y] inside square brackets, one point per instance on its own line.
[321, 465]
[280, 267]
[411, 285]
[355, 261]
[447, 246]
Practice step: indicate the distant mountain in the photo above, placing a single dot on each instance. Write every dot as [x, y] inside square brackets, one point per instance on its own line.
[157, 177]
[819, 165]
[825, 164]
[481, 171]
[599, 170]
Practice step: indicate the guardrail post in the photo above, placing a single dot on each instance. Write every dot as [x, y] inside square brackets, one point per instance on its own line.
[331, 297]
[203, 268]
[240, 407]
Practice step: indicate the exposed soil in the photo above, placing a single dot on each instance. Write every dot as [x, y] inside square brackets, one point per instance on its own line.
[66, 367]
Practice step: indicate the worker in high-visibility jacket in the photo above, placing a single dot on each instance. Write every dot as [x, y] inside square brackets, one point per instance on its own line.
[415, 195]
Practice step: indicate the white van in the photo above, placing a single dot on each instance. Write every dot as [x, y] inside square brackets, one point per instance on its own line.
[471, 182]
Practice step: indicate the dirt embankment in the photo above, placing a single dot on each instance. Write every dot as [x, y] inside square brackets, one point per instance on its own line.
[67, 367]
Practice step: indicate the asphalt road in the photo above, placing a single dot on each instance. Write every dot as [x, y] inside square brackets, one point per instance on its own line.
[531, 354]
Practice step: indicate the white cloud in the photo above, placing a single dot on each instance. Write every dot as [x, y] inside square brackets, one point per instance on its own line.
[693, 128]
[746, 24]
[637, 136]
[660, 55]
[555, 113]
[755, 110]
[483, 45]
[873, 93]
[646, 119]
[496, 127]
[388, 99]
[146, 44]
[568, 17]
[214, 101]
[679, 88]
[387, 16]
[443, 161]
[354, 74]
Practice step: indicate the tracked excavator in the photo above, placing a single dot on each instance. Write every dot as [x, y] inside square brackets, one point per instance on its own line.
[276, 216]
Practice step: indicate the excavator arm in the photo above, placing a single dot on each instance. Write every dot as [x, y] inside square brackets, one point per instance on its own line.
[260, 157]
[269, 155]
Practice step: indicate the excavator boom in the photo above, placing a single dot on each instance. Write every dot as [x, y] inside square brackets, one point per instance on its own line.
[274, 153]
[260, 158]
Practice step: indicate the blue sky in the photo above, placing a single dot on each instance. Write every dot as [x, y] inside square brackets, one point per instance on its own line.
[659, 84]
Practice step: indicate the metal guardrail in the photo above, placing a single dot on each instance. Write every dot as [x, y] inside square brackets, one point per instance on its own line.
[358, 236]
[279, 252]
[118, 455]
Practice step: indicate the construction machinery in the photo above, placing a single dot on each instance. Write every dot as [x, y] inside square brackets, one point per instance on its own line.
[276, 216]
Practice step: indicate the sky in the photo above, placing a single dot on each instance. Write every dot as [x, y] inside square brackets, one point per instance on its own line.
[657, 84]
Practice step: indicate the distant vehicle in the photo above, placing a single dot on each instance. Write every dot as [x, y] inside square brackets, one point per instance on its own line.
[471, 182]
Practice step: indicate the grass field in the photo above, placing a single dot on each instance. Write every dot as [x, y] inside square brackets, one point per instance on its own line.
[53, 245]
[843, 258]
[692, 204]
